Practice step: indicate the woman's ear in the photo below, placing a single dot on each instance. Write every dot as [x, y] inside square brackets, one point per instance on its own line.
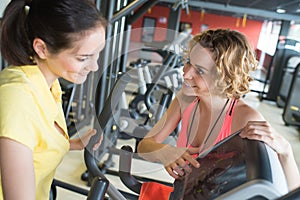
[40, 48]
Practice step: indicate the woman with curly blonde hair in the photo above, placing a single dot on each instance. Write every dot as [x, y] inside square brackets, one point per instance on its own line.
[210, 106]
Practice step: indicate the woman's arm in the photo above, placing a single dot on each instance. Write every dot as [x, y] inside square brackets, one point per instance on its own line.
[17, 171]
[262, 131]
[290, 168]
[152, 143]
[174, 159]
[257, 128]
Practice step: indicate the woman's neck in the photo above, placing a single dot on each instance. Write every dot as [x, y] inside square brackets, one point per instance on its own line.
[212, 103]
[49, 76]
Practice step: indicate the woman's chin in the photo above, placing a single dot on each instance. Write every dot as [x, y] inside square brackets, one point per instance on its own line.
[80, 79]
[188, 92]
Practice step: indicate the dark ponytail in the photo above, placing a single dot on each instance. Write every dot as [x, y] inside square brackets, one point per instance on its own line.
[59, 23]
[15, 44]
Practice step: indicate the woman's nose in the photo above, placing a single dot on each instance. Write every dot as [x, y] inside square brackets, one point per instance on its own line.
[94, 67]
[187, 71]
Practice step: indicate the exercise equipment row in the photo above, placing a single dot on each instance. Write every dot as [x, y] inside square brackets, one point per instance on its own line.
[286, 84]
[291, 111]
[278, 73]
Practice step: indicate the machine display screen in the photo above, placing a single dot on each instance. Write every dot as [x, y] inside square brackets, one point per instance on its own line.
[225, 167]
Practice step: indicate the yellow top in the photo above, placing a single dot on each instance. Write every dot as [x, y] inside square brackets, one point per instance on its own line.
[28, 112]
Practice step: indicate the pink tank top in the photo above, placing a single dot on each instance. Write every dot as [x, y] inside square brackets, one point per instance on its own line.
[225, 130]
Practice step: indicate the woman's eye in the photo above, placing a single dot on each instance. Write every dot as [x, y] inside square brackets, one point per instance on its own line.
[187, 63]
[82, 59]
[200, 71]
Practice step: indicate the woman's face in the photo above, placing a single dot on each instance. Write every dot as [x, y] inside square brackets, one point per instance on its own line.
[198, 72]
[75, 64]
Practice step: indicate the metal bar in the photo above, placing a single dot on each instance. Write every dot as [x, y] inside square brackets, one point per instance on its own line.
[101, 80]
[71, 98]
[142, 11]
[98, 189]
[93, 168]
[89, 94]
[173, 24]
[70, 187]
[80, 101]
[125, 170]
[239, 9]
[125, 48]
[126, 10]
[116, 49]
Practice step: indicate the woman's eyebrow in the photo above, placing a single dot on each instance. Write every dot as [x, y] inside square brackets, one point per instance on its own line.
[200, 67]
[85, 55]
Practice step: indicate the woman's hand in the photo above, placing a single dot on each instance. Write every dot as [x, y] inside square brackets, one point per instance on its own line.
[262, 131]
[81, 142]
[177, 161]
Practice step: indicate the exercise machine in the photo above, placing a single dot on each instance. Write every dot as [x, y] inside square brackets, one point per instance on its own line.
[149, 103]
[91, 157]
[292, 195]
[135, 120]
[288, 73]
[291, 111]
[97, 191]
[275, 71]
[114, 121]
[234, 168]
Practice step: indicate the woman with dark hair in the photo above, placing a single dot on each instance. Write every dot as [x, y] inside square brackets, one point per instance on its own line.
[210, 106]
[42, 40]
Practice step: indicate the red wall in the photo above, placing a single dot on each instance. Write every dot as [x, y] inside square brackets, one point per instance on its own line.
[251, 29]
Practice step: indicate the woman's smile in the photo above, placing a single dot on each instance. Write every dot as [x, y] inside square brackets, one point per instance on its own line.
[187, 84]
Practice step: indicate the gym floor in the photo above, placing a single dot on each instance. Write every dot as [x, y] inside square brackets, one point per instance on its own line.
[73, 166]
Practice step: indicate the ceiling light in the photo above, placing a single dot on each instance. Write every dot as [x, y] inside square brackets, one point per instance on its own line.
[279, 10]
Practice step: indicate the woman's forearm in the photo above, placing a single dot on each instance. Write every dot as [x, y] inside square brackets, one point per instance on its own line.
[290, 170]
[151, 150]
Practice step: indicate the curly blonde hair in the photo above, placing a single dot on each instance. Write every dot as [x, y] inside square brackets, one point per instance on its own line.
[234, 59]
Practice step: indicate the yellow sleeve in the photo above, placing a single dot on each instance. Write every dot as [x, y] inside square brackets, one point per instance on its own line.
[17, 114]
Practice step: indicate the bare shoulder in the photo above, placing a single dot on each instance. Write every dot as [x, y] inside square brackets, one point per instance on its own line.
[244, 113]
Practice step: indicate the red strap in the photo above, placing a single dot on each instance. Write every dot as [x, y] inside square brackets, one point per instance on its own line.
[153, 190]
